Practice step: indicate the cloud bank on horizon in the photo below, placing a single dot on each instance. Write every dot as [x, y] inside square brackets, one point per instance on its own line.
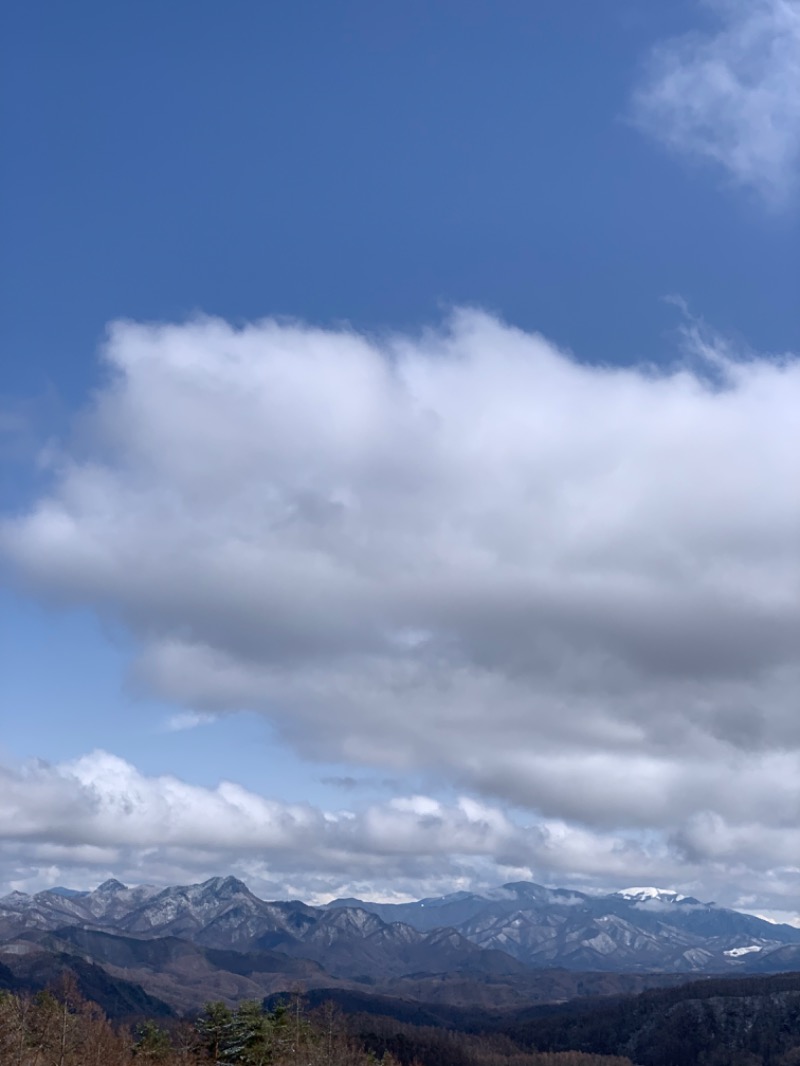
[97, 814]
[561, 589]
[731, 96]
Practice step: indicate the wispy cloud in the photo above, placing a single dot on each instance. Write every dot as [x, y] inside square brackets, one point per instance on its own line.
[732, 97]
[178, 723]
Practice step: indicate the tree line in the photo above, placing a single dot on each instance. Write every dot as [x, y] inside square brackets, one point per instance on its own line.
[59, 1027]
[751, 1022]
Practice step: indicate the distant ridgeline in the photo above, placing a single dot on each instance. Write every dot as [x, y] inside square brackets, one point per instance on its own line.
[510, 931]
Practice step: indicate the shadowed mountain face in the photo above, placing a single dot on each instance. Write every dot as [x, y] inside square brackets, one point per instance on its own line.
[502, 933]
[31, 969]
[182, 974]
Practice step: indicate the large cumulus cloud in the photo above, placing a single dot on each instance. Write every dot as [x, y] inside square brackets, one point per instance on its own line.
[98, 815]
[572, 587]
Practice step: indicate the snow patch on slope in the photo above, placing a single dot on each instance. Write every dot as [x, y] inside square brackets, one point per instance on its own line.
[734, 953]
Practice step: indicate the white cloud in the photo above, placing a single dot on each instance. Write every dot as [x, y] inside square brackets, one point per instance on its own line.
[566, 587]
[80, 821]
[99, 813]
[101, 801]
[732, 97]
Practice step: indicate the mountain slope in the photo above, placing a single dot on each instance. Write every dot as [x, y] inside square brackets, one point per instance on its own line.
[719, 1022]
[516, 926]
[634, 929]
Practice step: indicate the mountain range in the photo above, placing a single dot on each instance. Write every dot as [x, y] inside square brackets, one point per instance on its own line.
[631, 930]
[513, 944]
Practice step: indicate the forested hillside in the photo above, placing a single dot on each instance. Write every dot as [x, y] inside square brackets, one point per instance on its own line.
[724, 1022]
[59, 1027]
[742, 1022]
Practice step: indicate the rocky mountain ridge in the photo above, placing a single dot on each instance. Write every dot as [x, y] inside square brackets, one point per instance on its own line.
[629, 930]
[510, 929]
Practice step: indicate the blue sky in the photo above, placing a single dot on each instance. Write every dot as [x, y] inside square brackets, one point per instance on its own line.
[566, 234]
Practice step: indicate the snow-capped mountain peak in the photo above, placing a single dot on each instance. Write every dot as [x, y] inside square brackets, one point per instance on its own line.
[642, 894]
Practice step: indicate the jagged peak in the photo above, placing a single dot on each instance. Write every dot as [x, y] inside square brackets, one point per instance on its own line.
[228, 886]
[358, 917]
[111, 887]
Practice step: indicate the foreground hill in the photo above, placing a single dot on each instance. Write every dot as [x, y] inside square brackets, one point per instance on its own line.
[518, 1018]
[62, 1028]
[177, 972]
[117, 996]
[714, 1022]
[732, 1022]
